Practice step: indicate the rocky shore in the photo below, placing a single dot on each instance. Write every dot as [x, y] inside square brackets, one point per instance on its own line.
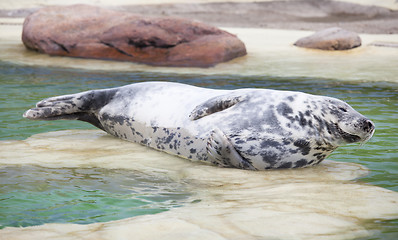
[268, 29]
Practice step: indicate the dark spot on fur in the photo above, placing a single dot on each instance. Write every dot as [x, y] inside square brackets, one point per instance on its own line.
[284, 109]
[303, 145]
[166, 131]
[302, 119]
[139, 134]
[270, 157]
[169, 138]
[269, 143]
[300, 163]
[286, 165]
[286, 141]
[310, 123]
[293, 151]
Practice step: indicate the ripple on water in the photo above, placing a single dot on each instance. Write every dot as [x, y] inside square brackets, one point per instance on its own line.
[31, 195]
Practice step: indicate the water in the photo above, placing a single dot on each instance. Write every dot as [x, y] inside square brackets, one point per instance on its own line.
[31, 195]
[23, 86]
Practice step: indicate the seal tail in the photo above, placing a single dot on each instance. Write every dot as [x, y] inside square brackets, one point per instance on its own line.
[82, 106]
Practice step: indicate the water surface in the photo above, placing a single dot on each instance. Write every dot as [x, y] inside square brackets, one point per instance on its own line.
[23, 86]
[32, 195]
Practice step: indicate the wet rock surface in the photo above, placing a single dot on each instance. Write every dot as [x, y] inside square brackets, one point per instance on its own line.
[330, 39]
[91, 32]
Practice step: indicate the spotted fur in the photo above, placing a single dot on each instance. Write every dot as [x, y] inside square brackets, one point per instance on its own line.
[254, 129]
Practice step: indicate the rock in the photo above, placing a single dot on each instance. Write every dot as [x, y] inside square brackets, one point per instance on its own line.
[92, 32]
[330, 39]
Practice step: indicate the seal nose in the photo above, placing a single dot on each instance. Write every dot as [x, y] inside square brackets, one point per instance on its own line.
[368, 126]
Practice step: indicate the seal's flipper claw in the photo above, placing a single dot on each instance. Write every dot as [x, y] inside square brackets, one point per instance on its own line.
[47, 113]
[221, 152]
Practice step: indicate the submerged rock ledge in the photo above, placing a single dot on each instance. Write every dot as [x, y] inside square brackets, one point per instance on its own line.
[322, 202]
[92, 32]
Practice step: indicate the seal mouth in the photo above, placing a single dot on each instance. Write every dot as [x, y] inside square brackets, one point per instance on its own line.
[348, 137]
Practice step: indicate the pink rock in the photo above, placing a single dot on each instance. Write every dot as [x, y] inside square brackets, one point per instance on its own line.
[92, 32]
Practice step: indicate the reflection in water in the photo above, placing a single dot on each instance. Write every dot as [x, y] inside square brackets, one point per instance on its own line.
[32, 195]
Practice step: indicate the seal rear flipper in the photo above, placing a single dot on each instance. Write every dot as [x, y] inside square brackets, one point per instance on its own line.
[221, 152]
[216, 104]
[80, 106]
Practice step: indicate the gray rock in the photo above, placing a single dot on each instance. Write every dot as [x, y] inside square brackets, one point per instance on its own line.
[330, 39]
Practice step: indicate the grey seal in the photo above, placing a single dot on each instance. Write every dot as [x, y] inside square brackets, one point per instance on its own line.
[254, 129]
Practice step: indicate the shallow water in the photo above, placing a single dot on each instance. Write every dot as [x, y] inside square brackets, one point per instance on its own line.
[323, 201]
[32, 195]
[23, 86]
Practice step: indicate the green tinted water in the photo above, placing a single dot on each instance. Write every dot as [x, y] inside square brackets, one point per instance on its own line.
[23, 86]
[31, 195]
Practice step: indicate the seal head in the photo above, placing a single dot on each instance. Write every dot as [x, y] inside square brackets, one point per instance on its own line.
[346, 125]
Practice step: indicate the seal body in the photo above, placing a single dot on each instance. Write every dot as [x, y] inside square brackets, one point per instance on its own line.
[253, 129]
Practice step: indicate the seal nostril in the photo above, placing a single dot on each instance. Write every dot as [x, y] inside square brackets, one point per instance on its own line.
[367, 126]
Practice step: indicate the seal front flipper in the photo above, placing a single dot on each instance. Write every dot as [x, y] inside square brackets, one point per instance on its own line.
[216, 104]
[80, 106]
[221, 152]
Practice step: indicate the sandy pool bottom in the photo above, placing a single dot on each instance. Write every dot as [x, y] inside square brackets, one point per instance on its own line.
[323, 202]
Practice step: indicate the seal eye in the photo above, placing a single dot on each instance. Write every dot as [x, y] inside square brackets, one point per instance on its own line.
[343, 109]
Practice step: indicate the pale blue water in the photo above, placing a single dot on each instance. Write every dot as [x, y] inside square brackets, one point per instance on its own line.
[23, 86]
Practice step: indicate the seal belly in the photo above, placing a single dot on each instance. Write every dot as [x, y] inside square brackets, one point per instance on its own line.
[173, 140]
